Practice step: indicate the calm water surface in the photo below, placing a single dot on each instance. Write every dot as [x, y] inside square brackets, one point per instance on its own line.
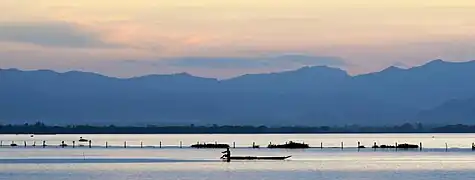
[174, 163]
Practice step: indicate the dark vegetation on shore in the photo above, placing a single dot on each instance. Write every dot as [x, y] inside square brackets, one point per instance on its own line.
[40, 128]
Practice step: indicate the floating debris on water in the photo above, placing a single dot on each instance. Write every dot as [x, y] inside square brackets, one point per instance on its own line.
[215, 145]
[290, 145]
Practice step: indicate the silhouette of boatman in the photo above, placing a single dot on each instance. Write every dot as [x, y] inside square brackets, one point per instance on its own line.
[226, 155]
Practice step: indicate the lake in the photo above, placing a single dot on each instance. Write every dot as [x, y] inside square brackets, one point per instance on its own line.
[174, 163]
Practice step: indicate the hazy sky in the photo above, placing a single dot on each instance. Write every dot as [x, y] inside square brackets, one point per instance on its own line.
[222, 38]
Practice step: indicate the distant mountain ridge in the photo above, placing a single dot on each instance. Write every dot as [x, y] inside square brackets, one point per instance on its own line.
[451, 112]
[316, 95]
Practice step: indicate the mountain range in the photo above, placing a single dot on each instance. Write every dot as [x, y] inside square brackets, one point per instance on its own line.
[438, 92]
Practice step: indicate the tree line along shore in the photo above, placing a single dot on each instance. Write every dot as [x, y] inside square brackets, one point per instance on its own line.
[41, 128]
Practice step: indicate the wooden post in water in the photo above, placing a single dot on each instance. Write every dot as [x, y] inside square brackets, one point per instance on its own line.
[446, 147]
[34, 143]
[420, 146]
[1, 143]
[44, 144]
[141, 144]
[90, 144]
[24, 143]
[160, 144]
[181, 144]
[395, 146]
[321, 145]
[74, 144]
[107, 144]
[234, 145]
[125, 144]
[342, 145]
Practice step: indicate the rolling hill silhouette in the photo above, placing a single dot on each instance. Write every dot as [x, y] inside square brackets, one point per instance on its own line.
[437, 92]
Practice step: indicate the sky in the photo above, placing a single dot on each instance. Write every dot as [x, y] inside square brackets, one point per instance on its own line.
[216, 38]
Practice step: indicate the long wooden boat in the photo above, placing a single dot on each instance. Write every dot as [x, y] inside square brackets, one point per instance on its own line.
[259, 157]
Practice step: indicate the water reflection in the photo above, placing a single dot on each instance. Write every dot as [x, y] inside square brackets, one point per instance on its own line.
[185, 163]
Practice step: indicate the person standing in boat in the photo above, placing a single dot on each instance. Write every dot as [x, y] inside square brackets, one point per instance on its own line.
[227, 155]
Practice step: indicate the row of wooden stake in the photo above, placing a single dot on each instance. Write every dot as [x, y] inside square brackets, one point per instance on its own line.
[63, 144]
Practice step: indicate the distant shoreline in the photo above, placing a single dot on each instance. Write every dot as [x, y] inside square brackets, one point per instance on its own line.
[42, 129]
